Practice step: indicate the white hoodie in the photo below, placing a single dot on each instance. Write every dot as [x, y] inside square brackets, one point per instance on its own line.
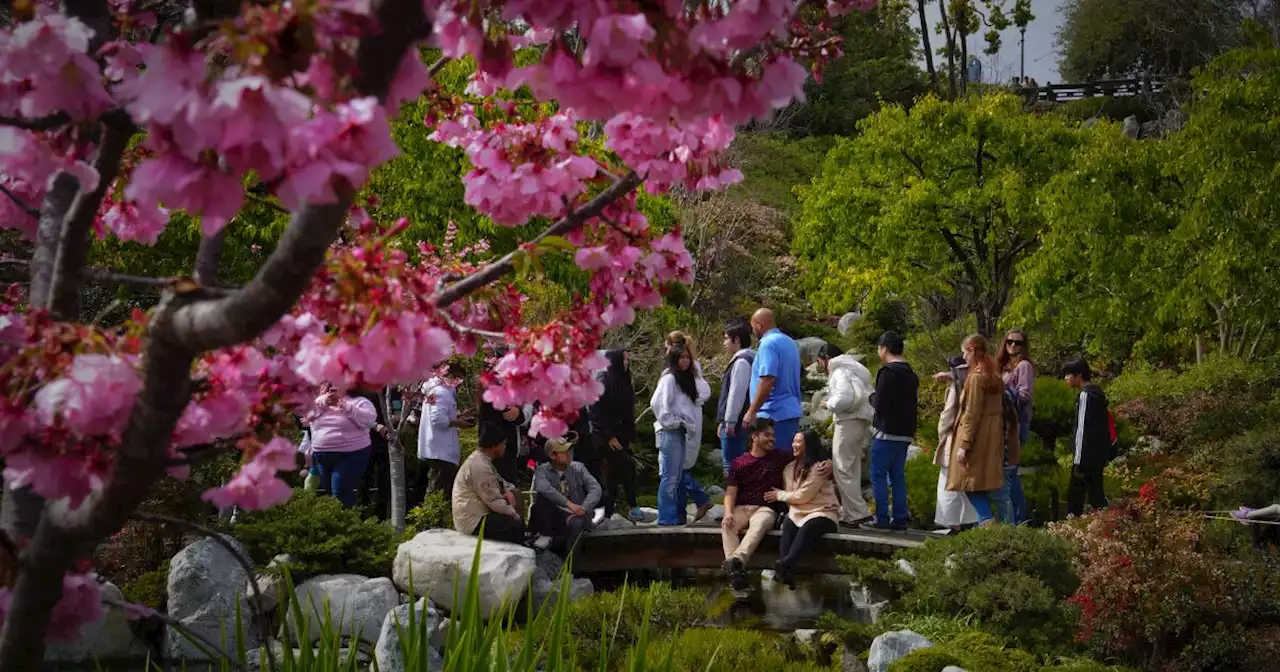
[849, 389]
[673, 409]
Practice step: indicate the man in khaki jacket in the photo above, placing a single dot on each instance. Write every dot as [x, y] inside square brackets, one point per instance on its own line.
[481, 496]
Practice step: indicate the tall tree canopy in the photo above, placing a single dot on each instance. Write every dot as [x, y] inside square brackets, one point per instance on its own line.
[1156, 243]
[1102, 39]
[879, 63]
[941, 199]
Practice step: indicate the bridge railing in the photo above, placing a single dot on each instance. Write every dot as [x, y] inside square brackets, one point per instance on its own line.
[1116, 88]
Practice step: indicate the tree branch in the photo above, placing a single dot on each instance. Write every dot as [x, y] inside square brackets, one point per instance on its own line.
[42, 124]
[263, 200]
[209, 257]
[23, 205]
[501, 267]
[73, 244]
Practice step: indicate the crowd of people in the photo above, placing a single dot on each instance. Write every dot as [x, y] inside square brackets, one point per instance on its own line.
[776, 476]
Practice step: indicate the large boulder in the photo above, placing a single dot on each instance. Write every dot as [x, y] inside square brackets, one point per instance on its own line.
[107, 639]
[270, 585]
[206, 587]
[810, 346]
[847, 321]
[892, 646]
[440, 561]
[426, 621]
[357, 605]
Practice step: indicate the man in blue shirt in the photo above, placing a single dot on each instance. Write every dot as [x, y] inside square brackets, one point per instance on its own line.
[775, 380]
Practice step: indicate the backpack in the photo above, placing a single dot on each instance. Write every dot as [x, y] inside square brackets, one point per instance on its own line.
[1111, 428]
[1012, 410]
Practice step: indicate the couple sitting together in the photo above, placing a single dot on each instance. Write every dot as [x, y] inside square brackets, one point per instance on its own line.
[766, 483]
[565, 496]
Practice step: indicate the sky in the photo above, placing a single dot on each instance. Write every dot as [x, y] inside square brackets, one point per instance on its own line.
[1042, 61]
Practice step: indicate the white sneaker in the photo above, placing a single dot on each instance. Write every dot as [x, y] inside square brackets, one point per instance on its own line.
[597, 516]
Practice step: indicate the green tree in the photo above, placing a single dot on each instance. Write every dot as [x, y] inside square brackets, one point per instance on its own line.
[879, 64]
[941, 199]
[1160, 244]
[1101, 39]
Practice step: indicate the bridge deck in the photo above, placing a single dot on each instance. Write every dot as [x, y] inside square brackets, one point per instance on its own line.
[698, 547]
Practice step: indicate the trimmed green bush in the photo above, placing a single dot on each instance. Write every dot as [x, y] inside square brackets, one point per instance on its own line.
[150, 589]
[932, 659]
[324, 537]
[435, 512]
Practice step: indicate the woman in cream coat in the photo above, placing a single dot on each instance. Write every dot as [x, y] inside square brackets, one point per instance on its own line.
[953, 509]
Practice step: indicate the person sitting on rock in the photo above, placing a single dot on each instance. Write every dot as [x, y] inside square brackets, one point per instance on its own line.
[564, 496]
[482, 497]
[747, 516]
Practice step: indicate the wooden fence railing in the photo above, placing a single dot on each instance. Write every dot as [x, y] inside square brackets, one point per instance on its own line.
[1114, 88]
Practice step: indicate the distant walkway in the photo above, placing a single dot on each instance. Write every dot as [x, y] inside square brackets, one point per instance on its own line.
[1114, 88]
[698, 547]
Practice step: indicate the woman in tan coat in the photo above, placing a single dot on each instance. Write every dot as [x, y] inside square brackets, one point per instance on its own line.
[813, 508]
[981, 431]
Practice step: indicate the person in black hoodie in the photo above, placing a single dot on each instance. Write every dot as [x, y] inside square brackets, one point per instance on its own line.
[613, 428]
[1091, 439]
[505, 422]
[895, 402]
[375, 487]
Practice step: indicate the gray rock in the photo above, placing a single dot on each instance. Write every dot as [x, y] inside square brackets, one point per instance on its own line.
[427, 620]
[715, 490]
[108, 638]
[1089, 123]
[905, 567]
[865, 605]
[1131, 128]
[549, 565]
[206, 587]
[804, 636]
[548, 590]
[438, 559]
[892, 646]
[953, 668]
[356, 604]
[810, 346]
[847, 321]
[851, 661]
[914, 451]
[270, 585]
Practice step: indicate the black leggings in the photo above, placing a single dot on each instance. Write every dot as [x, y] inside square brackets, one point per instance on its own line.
[621, 472]
[499, 527]
[548, 519]
[796, 540]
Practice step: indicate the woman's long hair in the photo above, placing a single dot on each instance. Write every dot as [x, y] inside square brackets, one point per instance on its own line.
[617, 379]
[1003, 358]
[984, 363]
[685, 379]
[814, 452]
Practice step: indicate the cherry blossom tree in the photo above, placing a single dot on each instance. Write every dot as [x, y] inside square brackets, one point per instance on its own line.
[115, 113]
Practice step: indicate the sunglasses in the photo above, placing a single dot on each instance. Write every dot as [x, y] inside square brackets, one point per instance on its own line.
[1011, 342]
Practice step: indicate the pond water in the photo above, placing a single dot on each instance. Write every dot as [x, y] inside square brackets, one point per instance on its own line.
[773, 606]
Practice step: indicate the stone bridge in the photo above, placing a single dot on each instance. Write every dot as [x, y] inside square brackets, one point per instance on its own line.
[698, 547]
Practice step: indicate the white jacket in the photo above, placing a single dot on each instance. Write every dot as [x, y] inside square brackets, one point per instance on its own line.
[849, 389]
[437, 438]
[673, 409]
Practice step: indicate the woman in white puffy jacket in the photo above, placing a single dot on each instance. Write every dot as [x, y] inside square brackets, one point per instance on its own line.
[848, 398]
[677, 409]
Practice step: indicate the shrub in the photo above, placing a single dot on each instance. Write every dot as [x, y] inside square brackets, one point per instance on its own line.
[1053, 416]
[435, 512]
[717, 649]
[1151, 592]
[932, 659]
[1208, 402]
[150, 589]
[323, 536]
[1011, 580]
[922, 489]
[971, 651]
[1248, 466]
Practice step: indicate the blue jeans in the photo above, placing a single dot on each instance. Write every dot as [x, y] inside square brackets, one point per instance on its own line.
[689, 488]
[733, 447]
[784, 431]
[1010, 502]
[981, 502]
[671, 477]
[341, 473]
[889, 471]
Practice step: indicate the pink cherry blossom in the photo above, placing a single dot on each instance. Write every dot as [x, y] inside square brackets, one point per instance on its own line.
[256, 486]
[93, 399]
[179, 183]
[50, 54]
[80, 604]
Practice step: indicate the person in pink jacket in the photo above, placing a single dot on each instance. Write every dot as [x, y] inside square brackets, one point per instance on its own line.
[340, 441]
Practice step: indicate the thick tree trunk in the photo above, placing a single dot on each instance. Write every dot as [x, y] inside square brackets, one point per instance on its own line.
[926, 45]
[399, 489]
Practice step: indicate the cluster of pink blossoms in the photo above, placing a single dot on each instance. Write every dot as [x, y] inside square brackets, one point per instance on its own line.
[668, 82]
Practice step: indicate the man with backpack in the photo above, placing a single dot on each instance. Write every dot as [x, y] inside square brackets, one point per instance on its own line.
[1091, 440]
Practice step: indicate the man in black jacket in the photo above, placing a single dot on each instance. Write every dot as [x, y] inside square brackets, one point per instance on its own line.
[1091, 440]
[895, 402]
